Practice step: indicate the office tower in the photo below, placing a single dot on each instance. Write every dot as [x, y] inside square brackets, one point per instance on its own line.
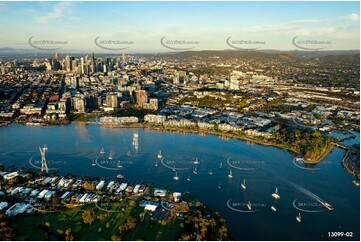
[74, 65]
[82, 65]
[57, 56]
[67, 63]
[92, 65]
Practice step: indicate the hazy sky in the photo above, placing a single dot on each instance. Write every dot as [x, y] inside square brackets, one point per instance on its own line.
[274, 24]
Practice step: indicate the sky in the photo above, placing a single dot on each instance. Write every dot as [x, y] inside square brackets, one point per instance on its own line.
[141, 26]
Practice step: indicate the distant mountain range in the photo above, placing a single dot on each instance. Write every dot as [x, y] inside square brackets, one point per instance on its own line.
[330, 56]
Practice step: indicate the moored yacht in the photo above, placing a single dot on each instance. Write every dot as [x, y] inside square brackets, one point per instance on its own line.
[176, 177]
[243, 184]
[275, 194]
[249, 205]
[102, 152]
[160, 156]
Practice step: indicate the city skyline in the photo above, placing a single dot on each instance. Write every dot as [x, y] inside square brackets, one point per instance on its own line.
[82, 26]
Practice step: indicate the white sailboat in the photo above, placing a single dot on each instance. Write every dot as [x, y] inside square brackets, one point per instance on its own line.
[129, 154]
[102, 152]
[196, 162]
[160, 156]
[243, 184]
[94, 163]
[220, 165]
[230, 175]
[298, 218]
[249, 205]
[156, 163]
[275, 194]
[119, 165]
[174, 168]
[273, 208]
[195, 170]
[189, 178]
[176, 177]
[110, 156]
[210, 172]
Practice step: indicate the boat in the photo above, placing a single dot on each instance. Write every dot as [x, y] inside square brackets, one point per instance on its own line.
[189, 178]
[119, 165]
[220, 165]
[356, 183]
[195, 170]
[275, 194]
[102, 152]
[120, 176]
[174, 168]
[110, 156]
[176, 177]
[196, 162]
[210, 172]
[129, 154]
[243, 184]
[230, 175]
[160, 156]
[274, 209]
[219, 186]
[327, 205]
[298, 218]
[156, 163]
[249, 205]
[94, 163]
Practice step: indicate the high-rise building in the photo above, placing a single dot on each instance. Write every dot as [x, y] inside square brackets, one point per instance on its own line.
[92, 64]
[82, 65]
[57, 56]
[123, 56]
[234, 83]
[74, 65]
[141, 97]
[79, 103]
[67, 63]
[112, 100]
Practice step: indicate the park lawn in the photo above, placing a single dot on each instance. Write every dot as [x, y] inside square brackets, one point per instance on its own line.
[153, 231]
[25, 226]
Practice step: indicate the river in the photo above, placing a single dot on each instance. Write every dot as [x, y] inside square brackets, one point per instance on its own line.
[72, 148]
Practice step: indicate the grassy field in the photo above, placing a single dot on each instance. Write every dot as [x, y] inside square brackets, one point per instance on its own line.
[26, 227]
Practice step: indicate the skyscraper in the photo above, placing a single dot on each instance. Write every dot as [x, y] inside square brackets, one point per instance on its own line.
[92, 63]
[82, 65]
[57, 56]
[123, 56]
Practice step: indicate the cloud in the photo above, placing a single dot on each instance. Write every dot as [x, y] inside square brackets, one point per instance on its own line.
[353, 17]
[59, 11]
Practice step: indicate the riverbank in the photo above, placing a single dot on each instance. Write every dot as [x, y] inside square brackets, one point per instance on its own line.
[315, 157]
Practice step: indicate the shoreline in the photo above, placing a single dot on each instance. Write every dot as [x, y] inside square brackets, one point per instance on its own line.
[226, 135]
[218, 134]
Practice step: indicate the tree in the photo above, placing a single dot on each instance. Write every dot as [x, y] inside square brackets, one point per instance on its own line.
[88, 216]
[68, 235]
[89, 186]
